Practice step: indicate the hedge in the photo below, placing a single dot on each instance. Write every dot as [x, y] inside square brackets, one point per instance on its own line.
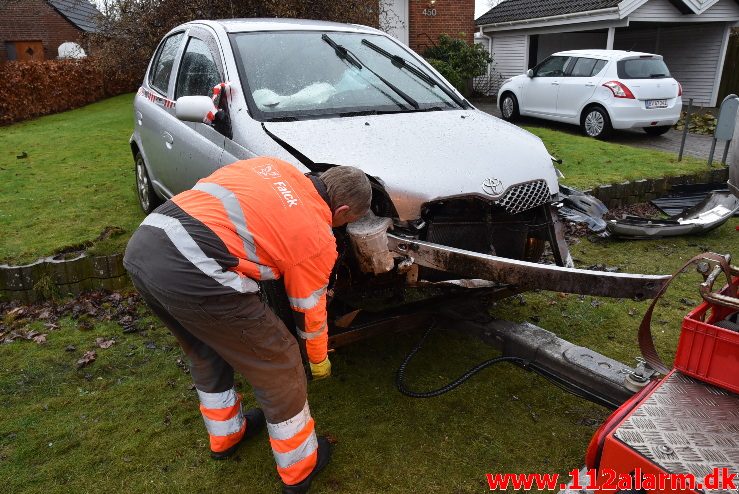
[33, 89]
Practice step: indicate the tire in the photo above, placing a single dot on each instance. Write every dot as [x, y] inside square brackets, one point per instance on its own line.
[657, 131]
[148, 198]
[509, 107]
[596, 123]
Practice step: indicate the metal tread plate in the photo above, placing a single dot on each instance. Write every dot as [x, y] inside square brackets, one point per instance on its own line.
[686, 426]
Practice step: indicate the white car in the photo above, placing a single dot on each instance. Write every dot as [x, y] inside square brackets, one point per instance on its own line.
[599, 90]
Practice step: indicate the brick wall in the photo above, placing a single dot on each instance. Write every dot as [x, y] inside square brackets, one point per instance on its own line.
[28, 20]
[452, 17]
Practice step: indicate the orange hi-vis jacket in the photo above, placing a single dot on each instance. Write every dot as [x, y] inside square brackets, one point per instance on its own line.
[274, 221]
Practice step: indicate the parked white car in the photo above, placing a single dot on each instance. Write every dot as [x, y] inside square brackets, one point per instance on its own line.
[599, 90]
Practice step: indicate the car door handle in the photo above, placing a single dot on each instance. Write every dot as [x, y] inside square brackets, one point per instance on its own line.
[555, 84]
[168, 139]
[590, 84]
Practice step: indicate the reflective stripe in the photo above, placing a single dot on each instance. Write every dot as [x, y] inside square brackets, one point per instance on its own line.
[313, 334]
[290, 427]
[308, 302]
[285, 460]
[193, 253]
[236, 215]
[224, 399]
[287, 445]
[224, 427]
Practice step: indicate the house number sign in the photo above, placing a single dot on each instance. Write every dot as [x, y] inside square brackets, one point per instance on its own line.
[429, 12]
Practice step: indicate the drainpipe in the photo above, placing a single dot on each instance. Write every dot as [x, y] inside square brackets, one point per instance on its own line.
[611, 37]
[490, 46]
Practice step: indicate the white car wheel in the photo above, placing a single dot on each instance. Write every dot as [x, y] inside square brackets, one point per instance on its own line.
[509, 107]
[596, 123]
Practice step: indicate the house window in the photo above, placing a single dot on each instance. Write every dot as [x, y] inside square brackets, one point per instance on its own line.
[24, 50]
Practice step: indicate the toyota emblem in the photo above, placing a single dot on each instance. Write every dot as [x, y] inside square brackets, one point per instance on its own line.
[492, 186]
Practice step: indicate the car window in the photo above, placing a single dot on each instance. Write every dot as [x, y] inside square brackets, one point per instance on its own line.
[298, 74]
[198, 71]
[552, 67]
[642, 68]
[583, 67]
[599, 66]
[161, 69]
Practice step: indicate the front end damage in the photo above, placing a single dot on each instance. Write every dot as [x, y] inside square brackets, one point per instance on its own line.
[475, 243]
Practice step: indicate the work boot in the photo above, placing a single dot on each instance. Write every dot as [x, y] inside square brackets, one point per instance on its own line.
[254, 424]
[324, 455]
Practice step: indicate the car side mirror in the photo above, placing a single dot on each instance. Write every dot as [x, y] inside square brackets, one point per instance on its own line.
[530, 73]
[193, 108]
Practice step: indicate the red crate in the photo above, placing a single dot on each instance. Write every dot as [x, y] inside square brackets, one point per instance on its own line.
[707, 352]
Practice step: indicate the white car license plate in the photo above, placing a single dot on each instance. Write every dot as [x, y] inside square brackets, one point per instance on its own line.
[656, 103]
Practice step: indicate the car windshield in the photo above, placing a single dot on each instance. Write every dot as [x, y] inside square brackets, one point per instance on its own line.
[642, 68]
[299, 74]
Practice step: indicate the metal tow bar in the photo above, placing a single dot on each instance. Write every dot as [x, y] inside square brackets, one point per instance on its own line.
[528, 275]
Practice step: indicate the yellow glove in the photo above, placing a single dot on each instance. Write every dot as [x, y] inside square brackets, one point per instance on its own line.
[321, 370]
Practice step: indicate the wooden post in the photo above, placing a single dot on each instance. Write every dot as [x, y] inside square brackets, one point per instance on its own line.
[733, 159]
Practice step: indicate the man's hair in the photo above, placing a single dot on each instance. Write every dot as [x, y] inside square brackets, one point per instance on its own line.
[347, 185]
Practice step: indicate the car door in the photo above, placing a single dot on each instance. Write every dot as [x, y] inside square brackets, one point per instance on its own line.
[153, 115]
[540, 94]
[195, 149]
[578, 85]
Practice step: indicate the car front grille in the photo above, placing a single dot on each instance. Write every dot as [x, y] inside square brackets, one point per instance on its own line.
[523, 197]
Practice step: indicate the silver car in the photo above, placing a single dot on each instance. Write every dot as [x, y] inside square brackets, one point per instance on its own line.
[320, 94]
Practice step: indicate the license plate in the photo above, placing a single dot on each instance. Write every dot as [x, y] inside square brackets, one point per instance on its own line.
[656, 103]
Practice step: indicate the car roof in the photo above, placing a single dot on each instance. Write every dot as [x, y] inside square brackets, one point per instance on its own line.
[605, 54]
[268, 24]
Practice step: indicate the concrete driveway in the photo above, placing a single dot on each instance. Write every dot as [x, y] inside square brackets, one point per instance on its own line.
[697, 146]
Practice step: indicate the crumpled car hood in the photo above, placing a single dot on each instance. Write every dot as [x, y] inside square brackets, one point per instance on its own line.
[420, 157]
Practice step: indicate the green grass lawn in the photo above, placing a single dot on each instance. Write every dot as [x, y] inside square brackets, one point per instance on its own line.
[590, 162]
[129, 422]
[77, 179]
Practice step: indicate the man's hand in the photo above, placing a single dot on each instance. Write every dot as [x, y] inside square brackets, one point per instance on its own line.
[321, 370]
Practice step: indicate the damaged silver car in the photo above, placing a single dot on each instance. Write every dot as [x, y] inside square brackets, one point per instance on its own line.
[463, 194]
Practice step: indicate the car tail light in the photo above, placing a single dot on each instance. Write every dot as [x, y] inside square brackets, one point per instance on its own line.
[595, 448]
[619, 90]
[679, 89]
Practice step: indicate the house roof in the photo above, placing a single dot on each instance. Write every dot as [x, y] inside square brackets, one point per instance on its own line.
[516, 10]
[81, 13]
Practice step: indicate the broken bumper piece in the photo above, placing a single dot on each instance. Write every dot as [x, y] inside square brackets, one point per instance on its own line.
[710, 213]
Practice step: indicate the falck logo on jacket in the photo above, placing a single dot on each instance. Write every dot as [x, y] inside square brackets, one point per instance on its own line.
[266, 171]
[289, 198]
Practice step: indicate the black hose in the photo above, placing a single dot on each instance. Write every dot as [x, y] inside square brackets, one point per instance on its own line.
[400, 376]
[570, 387]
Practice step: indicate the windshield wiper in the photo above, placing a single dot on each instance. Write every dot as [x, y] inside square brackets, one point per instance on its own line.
[344, 54]
[402, 63]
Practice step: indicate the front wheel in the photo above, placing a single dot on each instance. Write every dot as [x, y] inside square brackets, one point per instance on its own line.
[595, 123]
[148, 199]
[509, 107]
[657, 131]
